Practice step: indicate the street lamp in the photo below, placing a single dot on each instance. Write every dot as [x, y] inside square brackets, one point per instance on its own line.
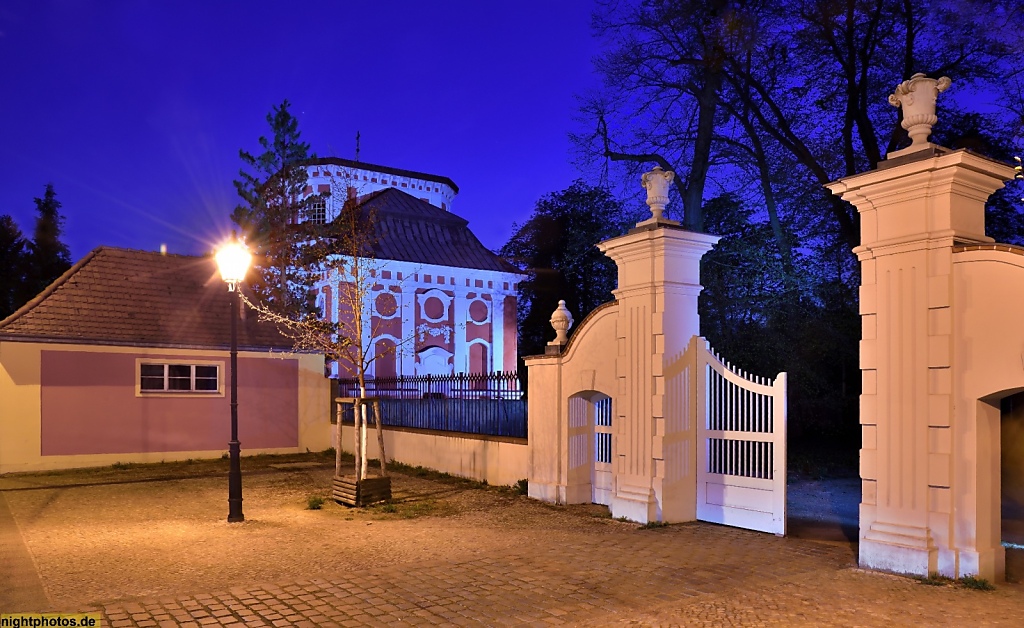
[232, 261]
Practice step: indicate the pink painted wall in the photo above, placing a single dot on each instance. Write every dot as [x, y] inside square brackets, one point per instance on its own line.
[89, 406]
[511, 350]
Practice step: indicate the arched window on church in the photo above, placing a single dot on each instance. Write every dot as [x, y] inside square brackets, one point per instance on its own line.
[385, 363]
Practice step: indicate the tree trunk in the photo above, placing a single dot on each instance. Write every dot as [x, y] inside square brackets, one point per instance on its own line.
[693, 199]
[337, 444]
[380, 438]
[356, 413]
[362, 433]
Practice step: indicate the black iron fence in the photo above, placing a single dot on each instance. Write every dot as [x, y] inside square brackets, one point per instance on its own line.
[488, 405]
[497, 385]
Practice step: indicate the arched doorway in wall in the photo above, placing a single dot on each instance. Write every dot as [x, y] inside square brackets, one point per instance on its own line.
[1011, 444]
[590, 444]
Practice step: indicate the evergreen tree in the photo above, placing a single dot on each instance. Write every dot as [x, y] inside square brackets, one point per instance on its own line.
[272, 187]
[49, 257]
[13, 263]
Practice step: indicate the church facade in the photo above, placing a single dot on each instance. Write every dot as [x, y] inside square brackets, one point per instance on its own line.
[440, 302]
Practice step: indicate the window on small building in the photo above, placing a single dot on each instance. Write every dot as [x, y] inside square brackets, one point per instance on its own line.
[201, 378]
[316, 211]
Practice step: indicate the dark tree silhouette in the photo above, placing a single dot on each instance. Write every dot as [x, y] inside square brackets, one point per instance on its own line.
[759, 103]
[49, 257]
[273, 190]
[556, 246]
[13, 264]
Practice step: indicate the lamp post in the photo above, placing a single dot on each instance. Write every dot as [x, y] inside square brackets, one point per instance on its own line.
[232, 261]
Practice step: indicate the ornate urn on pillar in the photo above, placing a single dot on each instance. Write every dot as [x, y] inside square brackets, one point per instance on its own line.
[656, 183]
[561, 321]
[917, 97]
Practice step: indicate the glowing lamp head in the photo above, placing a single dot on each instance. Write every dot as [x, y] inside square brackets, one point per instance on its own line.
[233, 260]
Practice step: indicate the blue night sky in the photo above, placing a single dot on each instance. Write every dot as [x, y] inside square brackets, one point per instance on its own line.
[136, 110]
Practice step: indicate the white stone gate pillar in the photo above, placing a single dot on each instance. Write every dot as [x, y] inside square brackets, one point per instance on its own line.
[916, 463]
[654, 450]
[631, 350]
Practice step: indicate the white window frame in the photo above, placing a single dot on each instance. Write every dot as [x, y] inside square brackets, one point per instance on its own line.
[168, 362]
[317, 208]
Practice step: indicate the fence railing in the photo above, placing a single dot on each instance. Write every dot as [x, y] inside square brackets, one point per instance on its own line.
[488, 404]
[485, 417]
[497, 385]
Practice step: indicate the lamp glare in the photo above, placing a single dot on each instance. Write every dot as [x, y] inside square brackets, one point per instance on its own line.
[233, 261]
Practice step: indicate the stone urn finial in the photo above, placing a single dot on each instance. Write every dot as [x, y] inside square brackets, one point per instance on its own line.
[561, 320]
[656, 183]
[917, 96]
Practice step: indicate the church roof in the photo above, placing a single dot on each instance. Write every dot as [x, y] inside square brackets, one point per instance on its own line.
[398, 172]
[413, 230]
[118, 296]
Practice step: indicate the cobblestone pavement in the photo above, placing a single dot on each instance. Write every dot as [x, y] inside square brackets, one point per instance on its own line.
[727, 579]
[448, 554]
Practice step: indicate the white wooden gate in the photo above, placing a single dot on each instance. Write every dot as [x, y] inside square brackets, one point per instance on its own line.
[741, 446]
[602, 478]
[590, 445]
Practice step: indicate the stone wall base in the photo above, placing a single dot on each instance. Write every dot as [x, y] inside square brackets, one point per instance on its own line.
[989, 564]
[636, 503]
[547, 492]
[899, 549]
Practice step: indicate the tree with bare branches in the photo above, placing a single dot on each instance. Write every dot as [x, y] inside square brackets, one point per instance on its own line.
[757, 104]
[724, 92]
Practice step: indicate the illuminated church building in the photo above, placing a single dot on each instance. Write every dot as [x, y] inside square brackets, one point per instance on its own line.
[441, 303]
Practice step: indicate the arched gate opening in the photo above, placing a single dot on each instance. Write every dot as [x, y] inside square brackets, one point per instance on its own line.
[1012, 483]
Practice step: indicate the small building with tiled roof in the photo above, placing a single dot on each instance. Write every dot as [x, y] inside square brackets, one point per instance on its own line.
[124, 358]
[443, 303]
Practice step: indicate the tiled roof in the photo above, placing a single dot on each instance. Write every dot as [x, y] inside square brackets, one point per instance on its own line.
[398, 172]
[411, 230]
[137, 298]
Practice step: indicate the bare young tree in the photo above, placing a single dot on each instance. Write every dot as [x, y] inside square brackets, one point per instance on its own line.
[339, 244]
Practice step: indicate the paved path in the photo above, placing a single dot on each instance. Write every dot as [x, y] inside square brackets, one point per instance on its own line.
[20, 586]
[692, 575]
[149, 554]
